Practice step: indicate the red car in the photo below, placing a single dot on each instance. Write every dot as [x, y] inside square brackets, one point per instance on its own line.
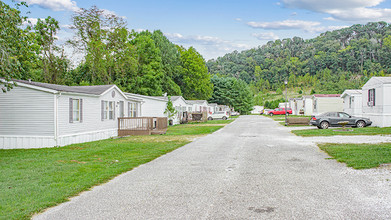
[280, 111]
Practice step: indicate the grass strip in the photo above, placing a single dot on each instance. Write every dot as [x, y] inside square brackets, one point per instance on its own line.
[359, 156]
[340, 131]
[32, 180]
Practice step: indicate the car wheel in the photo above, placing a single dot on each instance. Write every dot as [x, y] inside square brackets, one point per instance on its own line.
[360, 124]
[324, 125]
[210, 118]
[319, 127]
[224, 118]
[271, 114]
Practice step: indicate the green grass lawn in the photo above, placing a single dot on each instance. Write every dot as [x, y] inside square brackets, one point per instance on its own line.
[339, 131]
[32, 180]
[359, 156]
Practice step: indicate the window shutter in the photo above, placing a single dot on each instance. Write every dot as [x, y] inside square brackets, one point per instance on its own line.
[114, 110]
[81, 110]
[369, 95]
[374, 95]
[102, 110]
[70, 110]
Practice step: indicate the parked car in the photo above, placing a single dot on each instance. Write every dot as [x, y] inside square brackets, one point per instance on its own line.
[266, 111]
[219, 115]
[235, 113]
[331, 119]
[280, 111]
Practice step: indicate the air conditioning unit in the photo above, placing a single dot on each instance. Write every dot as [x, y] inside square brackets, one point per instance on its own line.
[370, 103]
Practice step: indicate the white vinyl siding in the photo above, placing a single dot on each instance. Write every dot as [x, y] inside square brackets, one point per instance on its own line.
[91, 114]
[25, 111]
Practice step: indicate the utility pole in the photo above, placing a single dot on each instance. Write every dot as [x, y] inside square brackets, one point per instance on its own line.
[286, 102]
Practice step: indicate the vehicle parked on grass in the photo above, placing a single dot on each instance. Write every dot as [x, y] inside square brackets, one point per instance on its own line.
[266, 111]
[235, 113]
[219, 115]
[334, 119]
[280, 111]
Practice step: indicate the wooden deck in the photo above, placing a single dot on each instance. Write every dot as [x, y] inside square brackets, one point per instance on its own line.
[142, 126]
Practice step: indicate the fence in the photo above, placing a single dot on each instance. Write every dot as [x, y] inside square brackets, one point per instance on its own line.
[142, 126]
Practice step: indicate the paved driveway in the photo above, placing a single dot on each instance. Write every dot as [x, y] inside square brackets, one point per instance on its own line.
[251, 169]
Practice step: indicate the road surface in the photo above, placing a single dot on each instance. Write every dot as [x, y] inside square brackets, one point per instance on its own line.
[251, 169]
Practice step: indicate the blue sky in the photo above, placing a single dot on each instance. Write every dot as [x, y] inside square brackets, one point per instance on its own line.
[217, 27]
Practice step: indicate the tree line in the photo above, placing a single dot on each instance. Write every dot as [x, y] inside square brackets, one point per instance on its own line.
[143, 62]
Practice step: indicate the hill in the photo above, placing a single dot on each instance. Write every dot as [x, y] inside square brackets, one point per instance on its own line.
[330, 63]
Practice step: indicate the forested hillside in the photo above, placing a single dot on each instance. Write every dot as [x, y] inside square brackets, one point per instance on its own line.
[330, 63]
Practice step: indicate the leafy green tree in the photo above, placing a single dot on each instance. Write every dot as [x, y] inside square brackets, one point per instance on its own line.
[92, 30]
[195, 79]
[53, 67]
[232, 92]
[171, 63]
[17, 46]
[149, 75]
[170, 110]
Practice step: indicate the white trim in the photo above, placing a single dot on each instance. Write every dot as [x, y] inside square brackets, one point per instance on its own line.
[27, 136]
[30, 86]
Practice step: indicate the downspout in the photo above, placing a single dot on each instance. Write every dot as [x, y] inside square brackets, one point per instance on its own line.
[56, 118]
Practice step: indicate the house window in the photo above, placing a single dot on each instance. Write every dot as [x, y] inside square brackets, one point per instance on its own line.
[132, 109]
[108, 110]
[315, 104]
[189, 109]
[371, 97]
[75, 110]
[111, 110]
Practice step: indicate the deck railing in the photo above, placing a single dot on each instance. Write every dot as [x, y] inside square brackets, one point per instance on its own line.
[142, 126]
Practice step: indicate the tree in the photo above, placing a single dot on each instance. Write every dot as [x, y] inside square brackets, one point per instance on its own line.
[170, 110]
[53, 66]
[149, 75]
[195, 79]
[93, 27]
[232, 92]
[17, 50]
[171, 63]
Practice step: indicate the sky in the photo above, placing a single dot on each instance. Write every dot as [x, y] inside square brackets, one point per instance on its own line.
[217, 27]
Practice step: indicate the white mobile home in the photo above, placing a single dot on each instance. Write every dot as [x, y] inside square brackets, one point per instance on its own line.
[36, 115]
[308, 105]
[376, 101]
[327, 103]
[212, 107]
[199, 105]
[297, 106]
[352, 102]
[257, 109]
[151, 106]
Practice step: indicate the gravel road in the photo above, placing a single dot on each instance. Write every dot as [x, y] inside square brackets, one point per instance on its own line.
[250, 169]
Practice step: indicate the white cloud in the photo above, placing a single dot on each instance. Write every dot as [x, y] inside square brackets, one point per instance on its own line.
[238, 19]
[346, 10]
[308, 26]
[266, 36]
[283, 25]
[108, 12]
[30, 21]
[55, 5]
[210, 47]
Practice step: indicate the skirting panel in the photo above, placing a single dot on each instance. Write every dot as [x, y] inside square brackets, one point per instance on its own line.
[27, 142]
